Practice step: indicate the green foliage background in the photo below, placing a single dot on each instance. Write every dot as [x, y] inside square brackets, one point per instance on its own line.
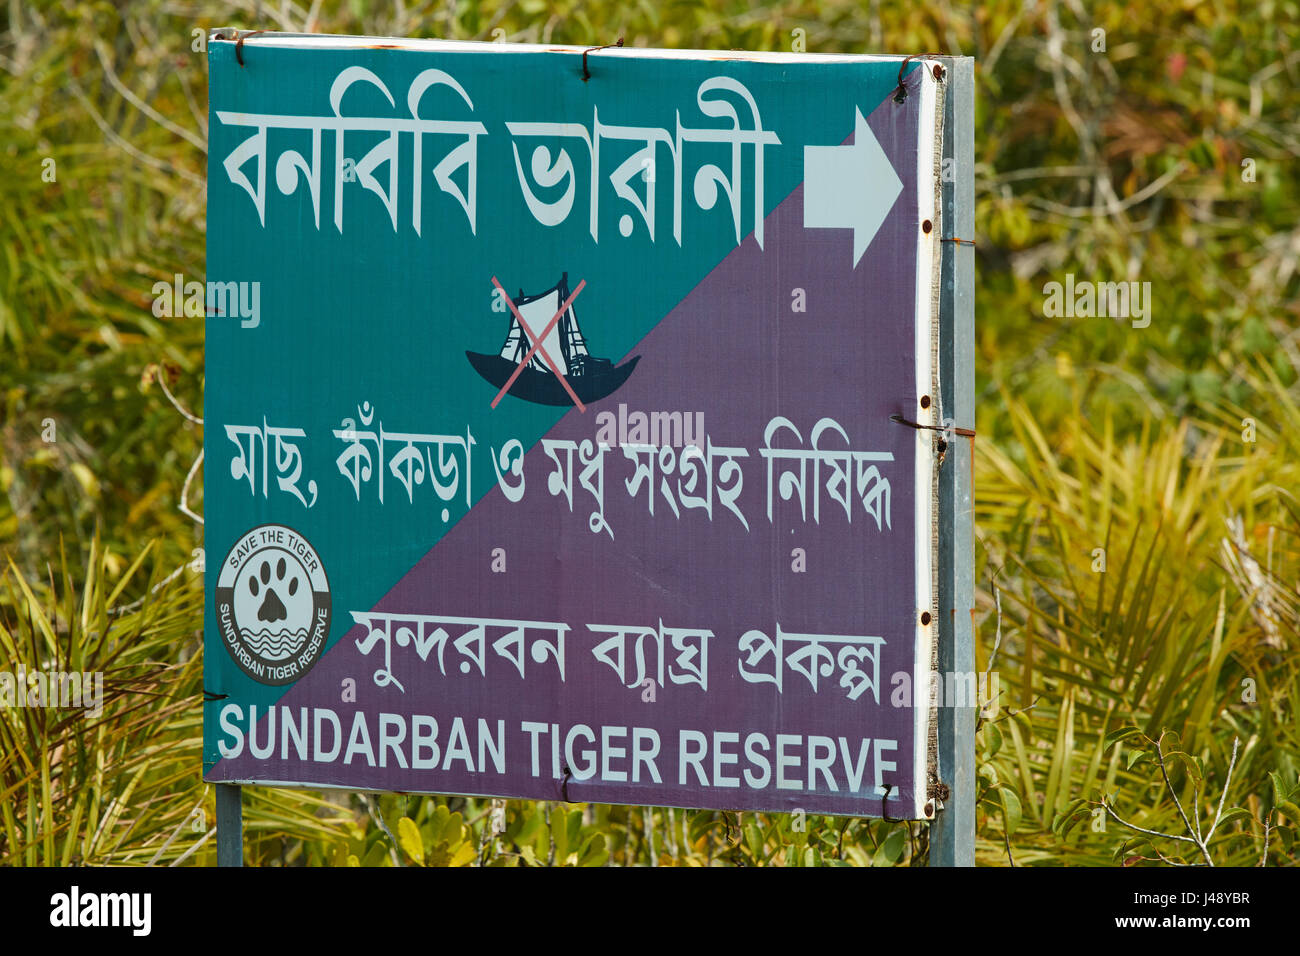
[1161, 149]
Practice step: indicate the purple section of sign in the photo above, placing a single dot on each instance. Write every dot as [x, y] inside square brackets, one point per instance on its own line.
[790, 331]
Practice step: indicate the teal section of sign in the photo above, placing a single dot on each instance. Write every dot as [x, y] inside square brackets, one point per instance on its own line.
[376, 313]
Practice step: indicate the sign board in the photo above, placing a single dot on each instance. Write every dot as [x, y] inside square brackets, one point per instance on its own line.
[561, 426]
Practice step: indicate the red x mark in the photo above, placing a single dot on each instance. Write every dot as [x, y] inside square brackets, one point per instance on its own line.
[537, 344]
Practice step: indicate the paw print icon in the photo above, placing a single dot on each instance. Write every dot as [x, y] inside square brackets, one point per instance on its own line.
[273, 604]
[272, 608]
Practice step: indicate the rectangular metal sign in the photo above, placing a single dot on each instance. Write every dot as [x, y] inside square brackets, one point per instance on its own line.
[561, 423]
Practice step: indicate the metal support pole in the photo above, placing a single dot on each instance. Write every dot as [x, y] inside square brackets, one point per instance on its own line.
[230, 825]
[952, 835]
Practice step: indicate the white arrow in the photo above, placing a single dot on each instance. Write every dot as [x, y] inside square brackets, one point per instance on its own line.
[849, 187]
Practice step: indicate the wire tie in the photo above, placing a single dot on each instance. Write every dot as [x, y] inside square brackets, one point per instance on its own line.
[586, 74]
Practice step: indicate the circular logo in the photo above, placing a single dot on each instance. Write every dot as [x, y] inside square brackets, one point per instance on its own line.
[273, 604]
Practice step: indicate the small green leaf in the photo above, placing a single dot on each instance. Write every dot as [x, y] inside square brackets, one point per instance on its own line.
[1233, 814]
[1124, 733]
[463, 856]
[529, 820]
[1289, 810]
[437, 823]
[1191, 764]
[560, 834]
[593, 852]
[1075, 812]
[575, 829]
[1281, 789]
[408, 838]
[891, 850]
[994, 738]
[1010, 810]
